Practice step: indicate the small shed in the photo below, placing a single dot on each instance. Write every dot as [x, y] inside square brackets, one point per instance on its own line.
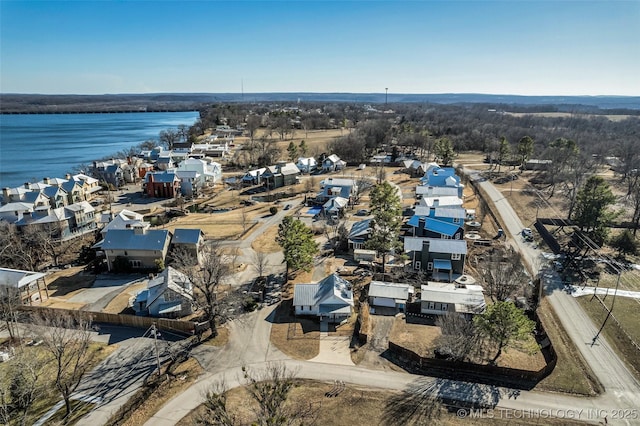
[390, 295]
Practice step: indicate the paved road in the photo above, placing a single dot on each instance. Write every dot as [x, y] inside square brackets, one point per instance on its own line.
[622, 389]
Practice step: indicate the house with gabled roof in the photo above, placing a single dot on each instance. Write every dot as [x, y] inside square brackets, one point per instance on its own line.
[90, 185]
[125, 219]
[62, 223]
[142, 248]
[161, 184]
[58, 197]
[330, 299]
[307, 164]
[189, 240]
[393, 296]
[337, 187]
[359, 234]
[168, 295]
[13, 212]
[333, 163]
[438, 298]
[443, 258]
[253, 177]
[75, 194]
[279, 175]
[425, 226]
[445, 176]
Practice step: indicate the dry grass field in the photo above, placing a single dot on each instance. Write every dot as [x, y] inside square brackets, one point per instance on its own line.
[357, 405]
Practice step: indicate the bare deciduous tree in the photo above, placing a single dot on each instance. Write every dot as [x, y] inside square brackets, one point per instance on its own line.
[459, 338]
[502, 274]
[269, 388]
[215, 411]
[67, 341]
[25, 384]
[206, 278]
[260, 262]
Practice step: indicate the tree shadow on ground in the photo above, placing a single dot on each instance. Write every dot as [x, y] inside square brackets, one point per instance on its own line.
[424, 400]
[283, 314]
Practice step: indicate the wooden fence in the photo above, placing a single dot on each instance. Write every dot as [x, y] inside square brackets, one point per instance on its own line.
[176, 326]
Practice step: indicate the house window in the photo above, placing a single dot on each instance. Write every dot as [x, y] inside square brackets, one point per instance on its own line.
[455, 256]
[443, 306]
[456, 220]
[432, 305]
[170, 296]
[429, 266]
[135, 263]
[418, 264]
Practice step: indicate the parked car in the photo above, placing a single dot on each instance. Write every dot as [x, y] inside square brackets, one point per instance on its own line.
[527, 234]
[362, 212]
[287, 207]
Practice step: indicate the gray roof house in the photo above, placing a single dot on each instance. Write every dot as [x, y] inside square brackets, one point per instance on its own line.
[141, 247]
[443, 258]
[359, 234]
[390, 297]
[190, 240]
[331, 299]
[170, 294]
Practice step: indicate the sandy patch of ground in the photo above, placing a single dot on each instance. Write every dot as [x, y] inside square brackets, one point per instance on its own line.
[121, 301]
[266, 243]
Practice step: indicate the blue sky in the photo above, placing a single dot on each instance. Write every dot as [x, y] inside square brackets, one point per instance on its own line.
[501, 47]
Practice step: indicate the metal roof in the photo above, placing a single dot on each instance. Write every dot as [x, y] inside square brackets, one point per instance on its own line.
[186, 236]
[389, 290]
[437, 245]
[360, 229]
[440, 227]
[131, 239]
[329, 287]
[449, 293]
[18, 278]
[449, 212]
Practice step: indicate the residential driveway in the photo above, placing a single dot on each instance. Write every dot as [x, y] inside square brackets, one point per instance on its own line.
[378, 343]
[333, 349]
[104, 289]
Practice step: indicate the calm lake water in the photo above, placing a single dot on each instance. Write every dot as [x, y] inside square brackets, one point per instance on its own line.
[36, 146]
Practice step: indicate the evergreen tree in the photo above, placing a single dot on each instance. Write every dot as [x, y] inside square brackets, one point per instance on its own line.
[592, 212]
[505, 325]
[525, 150]
[292, 151]
[387, 218]
[303, 148]
[444, 151]
[298, 245]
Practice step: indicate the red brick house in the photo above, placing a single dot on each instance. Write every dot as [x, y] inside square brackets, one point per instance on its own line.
[161, 185]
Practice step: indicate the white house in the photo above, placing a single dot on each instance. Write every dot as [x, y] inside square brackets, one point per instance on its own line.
[126, 219]
[331, 299]
[307, 164]
[437, 298]
[209, 171]
[389, 295]
[333, 163]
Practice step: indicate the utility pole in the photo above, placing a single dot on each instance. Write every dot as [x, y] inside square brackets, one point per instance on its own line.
[608, 310]
[386, 91]
[154, 330]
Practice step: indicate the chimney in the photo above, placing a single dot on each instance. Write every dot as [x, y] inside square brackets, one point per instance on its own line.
[46, 180]
[27, 185]
[138, 230]
[5, 195]
[67, 176]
